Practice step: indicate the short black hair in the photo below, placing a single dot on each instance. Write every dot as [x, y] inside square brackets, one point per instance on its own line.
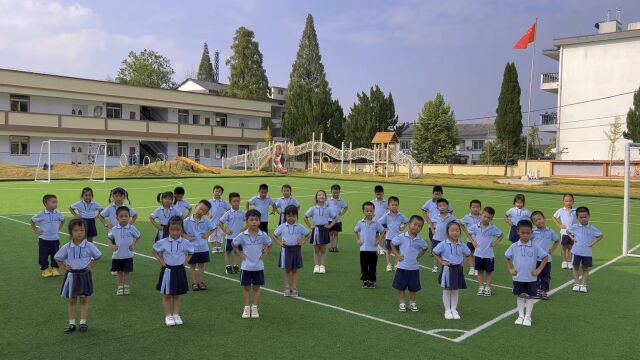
[393, 198]
[218, 187]
[121, 209]
[291, 210]
[47, 198]
[234, 195]
[519, 197]
[489, 210]
[205, 203]
[569, 195]
[524, 223]
[437, 188]
[263, 187]
[378, 189]
[537, 212]
[176, 220]
[442, 200]
[252, 212]
[86, 189]
[475, 201]
[75, 222]
[367, 203]
[164, 195]
[582, 209]
[416, 217]
[286, 186]
[179, 190]
[335, 187]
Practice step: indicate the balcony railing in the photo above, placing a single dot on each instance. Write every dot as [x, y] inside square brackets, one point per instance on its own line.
[549, 118]
[550, 78]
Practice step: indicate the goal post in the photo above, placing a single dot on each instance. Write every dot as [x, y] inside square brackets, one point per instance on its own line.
[629, 171]
[96, 157]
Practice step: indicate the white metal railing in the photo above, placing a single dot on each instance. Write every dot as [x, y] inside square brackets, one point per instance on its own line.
[550, 78]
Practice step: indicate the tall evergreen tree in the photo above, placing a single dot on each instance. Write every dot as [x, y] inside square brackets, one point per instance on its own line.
[334, 133]
[509, 113]
[146, 68]
[205, 70]
[435, 134]
[247, 77]
[371, 113]
[308, 94]
[633, 120]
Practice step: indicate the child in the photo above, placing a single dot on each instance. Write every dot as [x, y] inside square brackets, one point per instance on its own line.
[252, 246]
[368, 235]
[451, 254]
[181, 205]
[324, 218]
[430, 207]
[173, 253]
[77, 256]
[231, 224]
[439, 227]
[119, 195]
[197, 230]
[394, 224]
[218, 208]
[584, 236]
[339, 207]
[123, 239]
[482, 236]
[161, 216]
[291, 235]
[513, 216]
[548, 240]
[408, 248]
[88, 210]
[381, 205]
[285, 201]
[564, 218]
[50, 222]
[521, 258]
[262, 202]
[472, 218]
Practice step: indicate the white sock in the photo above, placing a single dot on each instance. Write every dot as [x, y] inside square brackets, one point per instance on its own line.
[446, 299]
[72, 322]
[83, 321]
[529, 307]
[454, 300]
[521, 302]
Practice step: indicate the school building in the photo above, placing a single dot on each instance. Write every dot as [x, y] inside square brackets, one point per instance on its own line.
[148, 122]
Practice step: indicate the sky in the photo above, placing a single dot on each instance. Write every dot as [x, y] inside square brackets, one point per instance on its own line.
[411, 48]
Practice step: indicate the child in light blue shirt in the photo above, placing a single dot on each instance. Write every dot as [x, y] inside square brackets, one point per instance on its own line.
[291, 235]
[123, 239]
[50, 221]
[584, 236]
[88, 210]
[394, 223]
[231, 224]
[451, 254]
[485, 237]
[368, 235]
[408, 248]
[264, 204]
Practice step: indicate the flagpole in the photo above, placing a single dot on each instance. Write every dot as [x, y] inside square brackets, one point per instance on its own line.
[533, 56]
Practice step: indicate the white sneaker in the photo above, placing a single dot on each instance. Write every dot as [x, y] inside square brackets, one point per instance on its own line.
[519, 320]
[576, 287]
[169, 321]
[254, 312]
[120, 291]
[583, 288]
[389, 268]
[487, 291]
[413, 307]
[455, 314]
[471, 271]
[564, 265]
[322, 269]
[114, 273]
[526, 321]
[127, 291]
[475, 272]
[402, 307]
[316, 269]
[177, 319]
[480, 291]
[247, 312]
[435, 269]
[448, 315]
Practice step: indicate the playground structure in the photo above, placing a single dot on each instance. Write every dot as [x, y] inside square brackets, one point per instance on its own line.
[384, 156]
[196, 165]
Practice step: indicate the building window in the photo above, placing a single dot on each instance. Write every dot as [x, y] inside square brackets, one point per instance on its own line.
[196, 119]
[132, 115]
[114, 147]
[221, 119]
[207, 153]
[19, 145]
[280, 92]
[477, 145]
[183, 116]
[114, 111]
[19, 103]
[79, 110]
[404, 145]
[183, 149]
[221, 151]
[242, 149]
[207, 121]
[460, 146]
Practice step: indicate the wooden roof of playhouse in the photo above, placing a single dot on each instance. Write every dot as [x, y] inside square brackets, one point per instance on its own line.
[385, 137]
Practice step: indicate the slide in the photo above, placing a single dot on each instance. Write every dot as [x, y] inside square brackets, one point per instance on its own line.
[195, 165]
[276, 164]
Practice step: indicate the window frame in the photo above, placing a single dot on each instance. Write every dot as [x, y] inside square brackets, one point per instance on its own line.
[17, 139]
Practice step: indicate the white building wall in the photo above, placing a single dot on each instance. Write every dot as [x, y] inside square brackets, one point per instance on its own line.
[250, 122]
[4, 102]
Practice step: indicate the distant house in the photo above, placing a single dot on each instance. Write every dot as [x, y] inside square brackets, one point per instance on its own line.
[200, 86]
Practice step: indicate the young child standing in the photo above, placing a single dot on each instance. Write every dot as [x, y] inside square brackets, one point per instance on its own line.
[173, 253]
[430, 207]
[118, 195]
[439, 227]
[218, 208]
[180, 204]
[584, 237]
[482, 236]
[77, 257]
[472, 218]
[548, 240]
[291, 235]
[262, 202]
[252, 246]
[368, 235]
[513, 216]
[122, 239]
[286, 200]
[231, 224]
[408, 248]
[340, 208]
[451, 254]
[197, 229]
[394, 223]
[563, 219]
[521, 258]
[50, 221]
[161, 216]
[324, 219]
[380, 203]
[88, 210]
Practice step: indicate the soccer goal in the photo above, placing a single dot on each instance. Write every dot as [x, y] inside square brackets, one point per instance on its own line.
[631, 170]
[92, 154]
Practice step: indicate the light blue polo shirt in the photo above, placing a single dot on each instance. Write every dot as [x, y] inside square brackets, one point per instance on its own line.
[321, 215]
[49, 222]
[440, 224]
[337, 205]
[78, 256]
[291, 233]
[233, 219]
[282, 204]
[252, 249]
[470, 220]
[218, 208]
[484, 237]
[516, 215]
[110, 212]
[368, 234]
[567, 218]
[431, 206]
[380, 208]
[584, 235]
[196, 228]
[123, 237]
[87, 210]
[262, 205]
[409, 248]
[163, 216]
[544, 238]
[525, 258]
[453, 253]
[173, 252]
[393, 223]
[182, 206]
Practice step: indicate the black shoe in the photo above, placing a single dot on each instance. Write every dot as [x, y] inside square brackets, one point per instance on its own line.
[228, 269]
[70, 328]
[544, 295]
[330, 249]
[335, 249]
[365, 285]
[236, 269]
[372, 285]
[83, 328]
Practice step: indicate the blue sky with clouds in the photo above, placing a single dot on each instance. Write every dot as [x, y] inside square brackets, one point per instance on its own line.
[411, 48]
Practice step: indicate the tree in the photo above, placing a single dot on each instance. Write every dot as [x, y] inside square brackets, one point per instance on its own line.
[370, 114]
[147, 68]
[435, 134]
[633, 120]
[205, 70]
[267, 134]
[613, 135]
[509, 114]
[247, 77]
[334, 134]
[308, 96]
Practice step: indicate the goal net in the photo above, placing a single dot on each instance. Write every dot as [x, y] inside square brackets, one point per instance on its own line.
[631, 217]
[72, 158]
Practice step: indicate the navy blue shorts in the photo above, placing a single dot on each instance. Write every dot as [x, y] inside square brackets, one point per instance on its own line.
[407, 280]
[337, 227]
[434, 243]
[124, 265]
[91, 227]
[387, 244]
[470, 246]
[264, 226]
[529, 288]
[228, 247]
[586, 261]
[484, 264]
[566, 240]
[199, 258]
[248, 278]
[513, 234]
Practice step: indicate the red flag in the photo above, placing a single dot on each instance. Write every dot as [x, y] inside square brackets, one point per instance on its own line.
[527, 38]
